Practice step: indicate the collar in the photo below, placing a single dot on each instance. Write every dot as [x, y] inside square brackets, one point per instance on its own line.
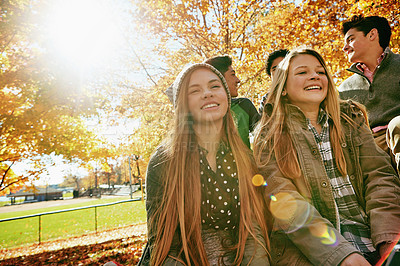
[322, 117]
[223, 146]
[355, 67]
[367, 72]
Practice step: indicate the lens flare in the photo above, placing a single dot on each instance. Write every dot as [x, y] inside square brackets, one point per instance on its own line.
[321, 230]
[258, 180]
[284, 206]
[291, 213]
[329, 238]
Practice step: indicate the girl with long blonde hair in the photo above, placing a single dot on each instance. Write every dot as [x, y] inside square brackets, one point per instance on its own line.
[332, 192]
[202, 206]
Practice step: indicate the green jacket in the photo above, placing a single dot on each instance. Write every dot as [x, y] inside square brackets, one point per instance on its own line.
[298, 223]
[246, 117]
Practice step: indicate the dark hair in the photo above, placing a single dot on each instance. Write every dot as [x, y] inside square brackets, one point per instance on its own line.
[367, 24]
[272, 56]
[221, 63]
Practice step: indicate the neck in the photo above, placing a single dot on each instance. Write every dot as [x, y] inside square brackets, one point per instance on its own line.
[208, 135]
[312, 115]
[372, 61]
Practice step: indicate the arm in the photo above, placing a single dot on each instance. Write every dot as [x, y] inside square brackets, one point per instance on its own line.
[251, 110]
[154, 190]
[382, 190]
[254, 117]
[314, 236]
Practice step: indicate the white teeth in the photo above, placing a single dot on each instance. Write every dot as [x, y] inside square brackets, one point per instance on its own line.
[209, 105]
[312, 88]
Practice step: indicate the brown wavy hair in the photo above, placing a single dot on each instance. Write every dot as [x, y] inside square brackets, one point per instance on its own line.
[181, 199]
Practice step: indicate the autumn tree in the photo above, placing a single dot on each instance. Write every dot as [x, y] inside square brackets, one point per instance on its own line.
[191, 31]
[40, 112]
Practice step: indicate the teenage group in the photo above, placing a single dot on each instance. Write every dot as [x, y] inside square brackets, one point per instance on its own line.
[320, 186]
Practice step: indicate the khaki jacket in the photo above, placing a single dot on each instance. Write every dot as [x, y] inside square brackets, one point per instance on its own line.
[306, 227]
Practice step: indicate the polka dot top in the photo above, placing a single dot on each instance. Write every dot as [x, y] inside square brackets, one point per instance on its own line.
[220, 204]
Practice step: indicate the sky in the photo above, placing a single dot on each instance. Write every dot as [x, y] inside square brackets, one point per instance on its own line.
[97, 37]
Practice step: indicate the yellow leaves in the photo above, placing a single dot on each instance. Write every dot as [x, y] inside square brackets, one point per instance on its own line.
[248, 31]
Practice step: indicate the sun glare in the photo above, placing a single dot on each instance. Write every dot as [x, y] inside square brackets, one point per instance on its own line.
[83, 31]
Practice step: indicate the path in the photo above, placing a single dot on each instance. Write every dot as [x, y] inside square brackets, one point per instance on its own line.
[45, 204]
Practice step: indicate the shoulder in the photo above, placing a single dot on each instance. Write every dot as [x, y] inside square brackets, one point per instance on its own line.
[392, 56]
[157, 162]
[245, 103]
[391, 62]
[353, 110]
[354, 82]
[158, 156]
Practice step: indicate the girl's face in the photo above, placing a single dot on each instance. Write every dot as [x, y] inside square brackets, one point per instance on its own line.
[207, 98]
[307, 82]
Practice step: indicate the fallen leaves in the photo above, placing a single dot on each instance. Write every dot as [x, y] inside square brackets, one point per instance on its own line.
[122, 245]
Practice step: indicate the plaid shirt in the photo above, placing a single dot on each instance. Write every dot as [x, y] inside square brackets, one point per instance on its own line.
[354, 224]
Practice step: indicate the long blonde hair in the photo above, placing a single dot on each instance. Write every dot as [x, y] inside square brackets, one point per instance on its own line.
[181, 199]
[272, 132]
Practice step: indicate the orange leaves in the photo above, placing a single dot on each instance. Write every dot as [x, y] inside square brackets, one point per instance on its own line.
[248, 31]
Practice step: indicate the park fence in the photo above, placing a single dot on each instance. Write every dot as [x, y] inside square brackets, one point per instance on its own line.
[70, 222]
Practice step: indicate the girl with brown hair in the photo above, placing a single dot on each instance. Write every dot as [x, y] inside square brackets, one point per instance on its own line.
[333, 194]
[202, 206]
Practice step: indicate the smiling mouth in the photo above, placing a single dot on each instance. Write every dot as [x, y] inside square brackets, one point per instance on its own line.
[209, 106]
[313, 88]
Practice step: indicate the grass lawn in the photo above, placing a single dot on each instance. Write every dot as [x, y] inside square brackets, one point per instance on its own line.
[67, 224]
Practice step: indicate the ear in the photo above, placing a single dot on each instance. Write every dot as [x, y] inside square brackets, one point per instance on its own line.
[373, 34]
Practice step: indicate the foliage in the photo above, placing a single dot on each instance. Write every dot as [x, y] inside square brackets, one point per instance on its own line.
[191, 31]
[40, 112]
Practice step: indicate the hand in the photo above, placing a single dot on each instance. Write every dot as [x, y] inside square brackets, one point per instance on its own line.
[355, 259]
[384, 248]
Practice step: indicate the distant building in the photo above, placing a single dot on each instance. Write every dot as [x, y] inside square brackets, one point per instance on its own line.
[39, 194]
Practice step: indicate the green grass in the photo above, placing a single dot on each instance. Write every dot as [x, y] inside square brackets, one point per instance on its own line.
[67, 224]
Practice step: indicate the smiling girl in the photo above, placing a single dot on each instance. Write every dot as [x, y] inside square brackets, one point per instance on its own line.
[333, 193]
[201, 203]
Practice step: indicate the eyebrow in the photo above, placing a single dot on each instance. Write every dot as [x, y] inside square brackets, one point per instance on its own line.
[349, 37]
[300, 67]
[211, 81]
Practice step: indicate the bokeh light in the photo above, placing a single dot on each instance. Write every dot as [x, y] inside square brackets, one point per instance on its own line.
[258, 180]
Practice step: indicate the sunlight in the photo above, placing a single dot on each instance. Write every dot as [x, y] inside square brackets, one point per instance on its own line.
[83, 32]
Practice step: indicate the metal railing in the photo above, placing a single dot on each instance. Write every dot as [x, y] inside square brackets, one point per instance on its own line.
[39, 215]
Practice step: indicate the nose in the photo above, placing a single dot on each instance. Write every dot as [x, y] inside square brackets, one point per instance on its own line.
[237, 80]
[207, 93]
[314, 76]
[345, 47]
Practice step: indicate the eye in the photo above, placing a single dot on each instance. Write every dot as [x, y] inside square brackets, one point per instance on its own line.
[193, 91]
[301, 73]
[321, 73]
[216, 86]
